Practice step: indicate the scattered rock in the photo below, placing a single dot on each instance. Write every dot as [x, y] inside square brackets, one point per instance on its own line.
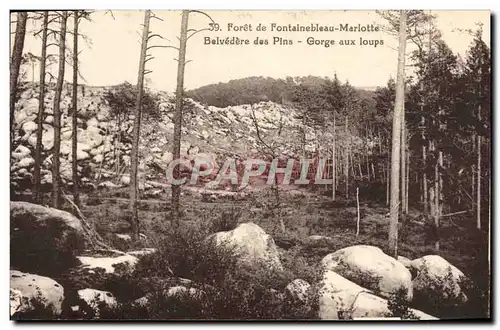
[125, 180]
[96, 298]
[108, 184]
[124, 237]
[26, 162]
[108, 263]
[297, 290]
[252, 243]
[21, 152]
[180, 289]
[142, 252]
[314, 240]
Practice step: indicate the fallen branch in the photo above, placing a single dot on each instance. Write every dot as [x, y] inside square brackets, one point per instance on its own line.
[94, 238]
[455, 213]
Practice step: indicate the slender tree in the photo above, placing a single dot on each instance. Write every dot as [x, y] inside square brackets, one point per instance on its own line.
[396, 138]
[179, 96]
[74, 138]
[56, 180]
[41, 109]
[334, 174]
[15, 65]
[134, 160]
[346, 159]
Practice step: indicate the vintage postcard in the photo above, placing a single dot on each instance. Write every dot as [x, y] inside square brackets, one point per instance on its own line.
[250, 165]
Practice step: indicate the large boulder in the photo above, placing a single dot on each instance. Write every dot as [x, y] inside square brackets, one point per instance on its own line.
[340, 298]
[370, 267]
[252, 244]
[438, 280]
[28, 291]
[43, 239]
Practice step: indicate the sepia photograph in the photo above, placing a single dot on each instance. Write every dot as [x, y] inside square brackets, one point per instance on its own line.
[293, 165]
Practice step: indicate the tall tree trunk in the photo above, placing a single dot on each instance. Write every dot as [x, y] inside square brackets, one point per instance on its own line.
[74, 138]
[346, 168]
[134, 160]
[176, 189]
[396, 139]
[387, 185]
[407, 186]
[478, 190]
[56, 179]
[15, 65]
[425, 188]
[436, 201]
[334, 174]
[41, 110]
[359, 216]
[117, 147]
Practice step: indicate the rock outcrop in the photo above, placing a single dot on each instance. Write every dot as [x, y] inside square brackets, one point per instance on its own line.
[43, 239]
[370, 267]
[29, 291]
[340, 298]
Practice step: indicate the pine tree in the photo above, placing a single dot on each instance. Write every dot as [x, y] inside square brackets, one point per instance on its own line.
[396, 138]
[134, 190]
[56, 179]
[15, 64]
[41, 110]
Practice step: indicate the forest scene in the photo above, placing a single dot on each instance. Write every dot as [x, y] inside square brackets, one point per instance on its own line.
[253, 198]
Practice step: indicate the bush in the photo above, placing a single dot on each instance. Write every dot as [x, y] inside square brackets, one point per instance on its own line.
[39, 310]
[445, 304]
[228, 220]
[225, 289]
[186, 252]
[398, 305]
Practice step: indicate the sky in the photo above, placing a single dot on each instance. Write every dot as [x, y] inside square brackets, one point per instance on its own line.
[112, 54]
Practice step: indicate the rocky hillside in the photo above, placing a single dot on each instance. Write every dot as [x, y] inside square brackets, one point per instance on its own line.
[104, 147]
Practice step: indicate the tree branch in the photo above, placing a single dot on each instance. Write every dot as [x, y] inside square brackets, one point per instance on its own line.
[160, 46]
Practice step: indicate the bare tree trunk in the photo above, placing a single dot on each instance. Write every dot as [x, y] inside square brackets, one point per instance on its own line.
[117, 147]
[334, 174]
[489, 198]
[74, 138]
[176, 189]
[357, 203]
[15, 65]
[425, 189]
[56, 180]
[396, 139]
[346, 168]
[407, 180]
[41, 110]
[478, 190]
[436, 202]
[403, 166]
[134, 160]
[387, 183]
